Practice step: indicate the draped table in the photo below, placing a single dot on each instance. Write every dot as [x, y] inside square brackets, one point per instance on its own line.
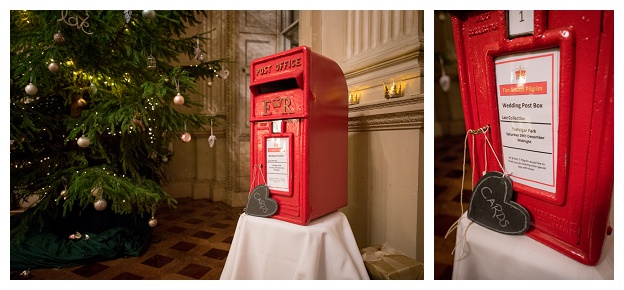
[270, 249]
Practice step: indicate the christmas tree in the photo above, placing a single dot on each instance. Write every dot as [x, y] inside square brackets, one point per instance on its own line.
[95, 99]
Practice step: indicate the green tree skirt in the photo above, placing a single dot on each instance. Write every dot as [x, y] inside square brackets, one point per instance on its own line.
[110, 236]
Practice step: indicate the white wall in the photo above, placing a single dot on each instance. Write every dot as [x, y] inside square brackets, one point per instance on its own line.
[385, 135]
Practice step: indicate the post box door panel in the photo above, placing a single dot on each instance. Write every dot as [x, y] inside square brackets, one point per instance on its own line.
[277, 152]
[535, 86]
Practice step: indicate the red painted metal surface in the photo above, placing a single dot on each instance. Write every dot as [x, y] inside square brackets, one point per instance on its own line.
[308, 93]
[573, 219]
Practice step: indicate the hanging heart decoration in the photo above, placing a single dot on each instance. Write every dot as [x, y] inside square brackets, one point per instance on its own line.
[212, 138]
[260, 204]
[491, 206]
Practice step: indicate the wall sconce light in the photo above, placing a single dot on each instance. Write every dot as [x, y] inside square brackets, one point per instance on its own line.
[354, 98]
[393, 91]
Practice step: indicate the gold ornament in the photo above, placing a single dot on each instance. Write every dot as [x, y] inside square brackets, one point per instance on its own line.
[151, 62]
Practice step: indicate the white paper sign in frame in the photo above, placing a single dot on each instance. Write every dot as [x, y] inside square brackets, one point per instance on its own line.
[528, 107]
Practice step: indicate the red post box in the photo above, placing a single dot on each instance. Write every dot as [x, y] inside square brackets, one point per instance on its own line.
[543, 82]
[299, 133]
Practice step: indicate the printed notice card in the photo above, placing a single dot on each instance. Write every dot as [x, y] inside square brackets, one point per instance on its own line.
[278, 159]
[527, 87]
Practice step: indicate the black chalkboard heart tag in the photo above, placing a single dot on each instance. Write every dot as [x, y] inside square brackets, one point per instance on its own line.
[491, 206]
[260, 204]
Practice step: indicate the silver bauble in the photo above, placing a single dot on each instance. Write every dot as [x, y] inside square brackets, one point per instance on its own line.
[53, 67]
[59, 37]
[97, 191]
[178, 99]
[210, 83]
[186, 137]
[149, 14]
[201, 57]
[84, 141]
[153, 222]
[100, 204]
[31, 89]
[165, 159]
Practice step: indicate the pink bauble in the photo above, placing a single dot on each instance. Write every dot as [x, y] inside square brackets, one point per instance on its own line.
[186, 137]
[178, 99]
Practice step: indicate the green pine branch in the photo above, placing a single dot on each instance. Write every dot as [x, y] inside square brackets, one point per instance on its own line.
[103, 90]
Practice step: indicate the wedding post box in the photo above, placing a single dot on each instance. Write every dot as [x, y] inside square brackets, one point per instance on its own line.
[299, 133]
[543, 83]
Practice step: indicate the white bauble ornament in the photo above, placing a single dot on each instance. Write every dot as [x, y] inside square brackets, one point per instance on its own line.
[53, 67]
[165, 159]
[186, 137]
[100, 204]
[153, 222]
[210, 83]
[178, 99]
[31, 89]
[149, 14]
[84, 141]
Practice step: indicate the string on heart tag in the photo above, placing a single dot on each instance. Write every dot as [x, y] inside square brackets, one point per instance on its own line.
[259, 202]
[257, 167]
[474, 133]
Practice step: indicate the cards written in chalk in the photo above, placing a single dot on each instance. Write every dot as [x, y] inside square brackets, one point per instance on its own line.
[260, 204]
[491, 206]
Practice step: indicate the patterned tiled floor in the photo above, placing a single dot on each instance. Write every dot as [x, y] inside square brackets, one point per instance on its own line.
[190, 242]
[449, 151]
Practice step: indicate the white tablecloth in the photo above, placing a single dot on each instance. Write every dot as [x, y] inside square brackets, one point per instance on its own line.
[270, 249]
[492, 255]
